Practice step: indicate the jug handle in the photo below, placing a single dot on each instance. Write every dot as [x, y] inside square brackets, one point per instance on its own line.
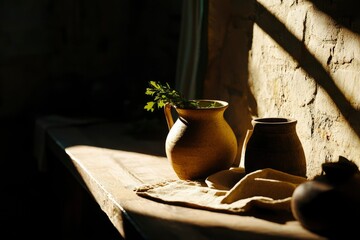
[168, 116]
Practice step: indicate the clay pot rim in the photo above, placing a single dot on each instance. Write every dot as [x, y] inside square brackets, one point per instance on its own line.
[274, 120]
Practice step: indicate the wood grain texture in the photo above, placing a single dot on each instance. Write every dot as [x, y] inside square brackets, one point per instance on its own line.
[104, 156]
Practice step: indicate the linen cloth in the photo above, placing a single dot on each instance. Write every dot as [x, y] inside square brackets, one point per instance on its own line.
[230, 191]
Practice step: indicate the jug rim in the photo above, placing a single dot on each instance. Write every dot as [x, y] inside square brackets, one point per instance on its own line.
[219, 104]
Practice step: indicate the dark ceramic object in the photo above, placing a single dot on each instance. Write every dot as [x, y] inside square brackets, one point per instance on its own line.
[275, 144]
[330, 203]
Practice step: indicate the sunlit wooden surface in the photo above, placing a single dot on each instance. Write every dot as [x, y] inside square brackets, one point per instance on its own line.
[110, 162]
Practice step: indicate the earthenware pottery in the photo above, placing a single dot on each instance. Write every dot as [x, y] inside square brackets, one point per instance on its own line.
[329, 204]
[200, 142]
[274, 143]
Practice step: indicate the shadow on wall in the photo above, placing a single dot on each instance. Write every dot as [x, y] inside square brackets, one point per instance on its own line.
[267, 22]
[341, 10]
[224, 79]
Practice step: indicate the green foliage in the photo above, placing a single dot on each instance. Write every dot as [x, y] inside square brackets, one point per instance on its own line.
[163, 94]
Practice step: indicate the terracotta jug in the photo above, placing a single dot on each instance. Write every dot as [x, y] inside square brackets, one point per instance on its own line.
[200, 142]
[274, 143]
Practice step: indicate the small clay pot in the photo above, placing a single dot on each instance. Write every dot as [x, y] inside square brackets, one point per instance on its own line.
[274, 143]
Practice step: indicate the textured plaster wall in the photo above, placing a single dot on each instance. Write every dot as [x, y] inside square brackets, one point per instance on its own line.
[289, 58]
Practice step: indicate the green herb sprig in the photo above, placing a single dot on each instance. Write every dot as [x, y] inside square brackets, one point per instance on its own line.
[164, 94]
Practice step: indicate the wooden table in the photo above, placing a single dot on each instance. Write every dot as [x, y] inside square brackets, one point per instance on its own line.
[109, 160]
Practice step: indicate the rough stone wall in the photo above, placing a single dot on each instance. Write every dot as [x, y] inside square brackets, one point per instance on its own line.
[290, 58]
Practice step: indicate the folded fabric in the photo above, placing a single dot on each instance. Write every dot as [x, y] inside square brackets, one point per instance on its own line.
[230, 191]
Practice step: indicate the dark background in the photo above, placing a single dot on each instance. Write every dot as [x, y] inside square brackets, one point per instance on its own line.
[78, 59]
